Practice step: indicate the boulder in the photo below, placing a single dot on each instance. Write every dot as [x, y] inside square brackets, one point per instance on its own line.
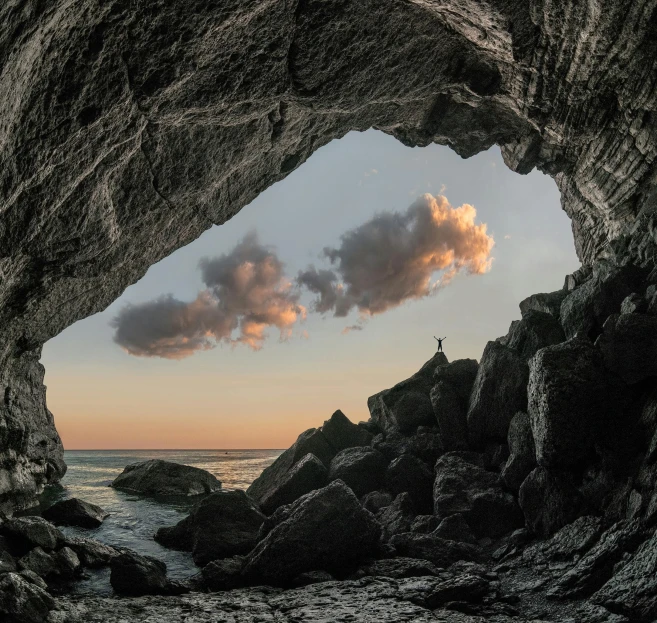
[547, 303]
[311, 441]
[91, 553]
[327, 530]
[571, 400]
[38, 562]
[67, 563]
[569, 542]
[397, 517]
[29, 532]
[397, 568]
[224, 524]
[477, 495]
[634, 304]
[455, 528]
[374, 501]
[450, 411]
[425, 444]
[408, 474]
[22, 601]
[225, 574]
[33, 578]
[75, 512]
[460, 374]
[499, 392]
[361, 469]
[165, 478]
[135, 575]
[629, 346]
[576, 279]
[549, 501]
[425, 524]
[440, 552]
[536, 330]
[304, 476]
[407, 405]
[7, 562]
[522, 454]
[341, 433]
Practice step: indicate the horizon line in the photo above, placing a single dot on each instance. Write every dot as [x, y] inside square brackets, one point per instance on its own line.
[163, 449]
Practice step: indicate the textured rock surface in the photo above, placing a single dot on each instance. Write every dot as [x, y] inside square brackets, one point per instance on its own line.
[75, 512]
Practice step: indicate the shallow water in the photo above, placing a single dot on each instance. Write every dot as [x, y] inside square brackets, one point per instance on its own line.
[134, 519]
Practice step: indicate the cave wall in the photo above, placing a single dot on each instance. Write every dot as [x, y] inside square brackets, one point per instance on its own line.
[127, 128]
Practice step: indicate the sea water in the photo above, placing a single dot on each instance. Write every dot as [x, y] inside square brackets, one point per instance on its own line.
[134, 519]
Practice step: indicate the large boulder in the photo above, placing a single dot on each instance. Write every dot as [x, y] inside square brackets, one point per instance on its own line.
[440, 552]
[361, 469]
[28, 532]
[571, 401]
[165, 478]
[92, 553]
[460, 374]
[499, 392]
[522, 454]
[408, 474]
[397, 517]
[536, 330]
[224, 574]
[22, 601]
[549, 501]
[547, 302]
[407, 405]
[75, 512]
[629, 346]
[450, 411]
[135, 575]
[425, 444]
[224, 524]
[327, 530]
[312, 441]
[341, 433]
[464, 488]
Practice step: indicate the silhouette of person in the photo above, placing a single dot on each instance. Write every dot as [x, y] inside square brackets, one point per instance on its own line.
[440, 343]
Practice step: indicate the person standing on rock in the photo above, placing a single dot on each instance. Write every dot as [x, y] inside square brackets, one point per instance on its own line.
[440, 343]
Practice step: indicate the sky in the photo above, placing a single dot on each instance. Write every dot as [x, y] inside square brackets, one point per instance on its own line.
[364, 209]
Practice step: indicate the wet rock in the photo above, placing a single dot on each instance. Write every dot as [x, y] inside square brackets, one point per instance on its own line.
[397, 517]
[455, 528]
[29, 532]
[224, 524]
[134, 575]
[399, 567]
[407, 405]
[374, 501]
[74, 512]
[571, 540]
[547, 303]
[522, 454]
[425, 524]
[21, 601]
[341, 433]
[536, 330]
[165, 478]
[571, 398]
[440, 552]
[629, 346]
[91, 553]
[304, 476]
[408, 474]
[499, 392]
[312, 442]
[362, 469]
[325, 530]
[549, 501]
[477, 495]
[224, 574]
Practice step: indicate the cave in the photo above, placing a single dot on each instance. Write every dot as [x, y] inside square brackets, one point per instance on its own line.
[128, 129]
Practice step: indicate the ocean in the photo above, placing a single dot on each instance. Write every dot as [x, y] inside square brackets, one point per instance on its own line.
[134, 519]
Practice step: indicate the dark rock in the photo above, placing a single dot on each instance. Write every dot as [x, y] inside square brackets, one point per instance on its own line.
[134, 575]
[325, 530]
[629, 346]
[341, 433]
[398, 568]
[7, 562]
[311, 441]
[522, 454]
[33, 578]
[536, 330]
[495, 456]
[225, 574]
[29, 532]
[632, 591]
[74, 512]
[304, 476]
[424, 524]
[438, 551]
[460, 374]
[576, 279]
[39, 562]
[547, 303]
[634, 304]
[311, 577]
[499, 392]
[450, 412]
[460, 587]
[362, 469]
[425, 444]
[91, 553]
[549, 501]
[397, 517]
[572, 540]
[224, 524]
[455, 528]
[164, 478]
[67, 563]
[477, 495]
[407, 405]
[21, 601]
[374, 501]
[408, 474]
[571, 399]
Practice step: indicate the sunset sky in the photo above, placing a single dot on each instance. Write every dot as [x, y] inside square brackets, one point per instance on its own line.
[198, 391]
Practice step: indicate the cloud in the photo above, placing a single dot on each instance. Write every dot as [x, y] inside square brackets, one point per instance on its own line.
[246, 292]
[353, 327]
[507, 237]
[391, 258]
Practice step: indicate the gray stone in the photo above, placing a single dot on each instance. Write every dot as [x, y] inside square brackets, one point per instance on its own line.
[536, 330]
[132, 574]
[522, 454]
[634, 304]
[397, 517]
[32, 532]
[460, 374]
[224, 574]
[374, 501]
[425, 524]
[39, 562]
[341, 433]
[547, 303]
[398, 568]
[455, 528]
[450, 411]
[22, 601]
[91, 553]
[74, 512]
[438, 551]
[408, 474]
[570, 541]
[362, 469]
[165, 478]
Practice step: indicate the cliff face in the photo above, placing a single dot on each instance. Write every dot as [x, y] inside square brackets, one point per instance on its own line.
[127, 129]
